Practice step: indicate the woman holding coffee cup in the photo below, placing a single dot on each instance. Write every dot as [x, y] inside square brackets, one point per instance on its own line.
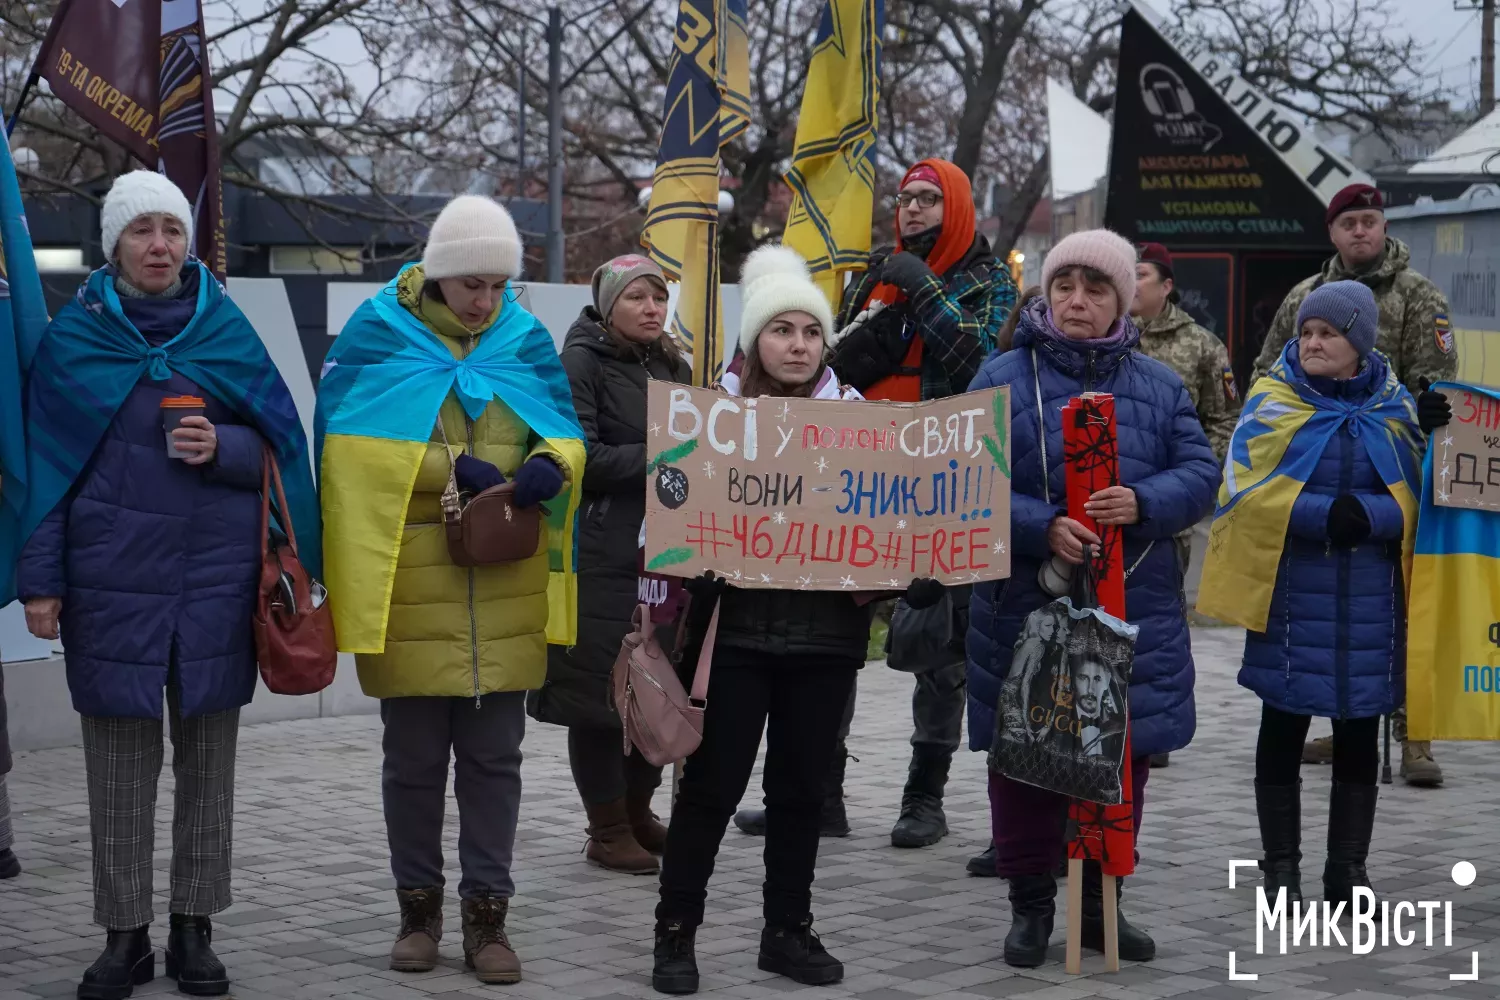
[150, 403]
[439, 388]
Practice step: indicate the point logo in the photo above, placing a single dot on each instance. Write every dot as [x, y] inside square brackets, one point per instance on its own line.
[1317, 921]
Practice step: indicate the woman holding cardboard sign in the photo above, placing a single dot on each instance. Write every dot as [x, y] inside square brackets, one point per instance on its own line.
[1077, 338]
[787, 658]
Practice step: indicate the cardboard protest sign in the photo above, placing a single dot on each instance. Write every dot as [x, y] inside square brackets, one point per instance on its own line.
[824, 494]
[1468, 452]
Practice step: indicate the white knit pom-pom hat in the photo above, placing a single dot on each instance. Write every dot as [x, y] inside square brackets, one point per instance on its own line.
[775, 280]
[472, 235]
[138, 193]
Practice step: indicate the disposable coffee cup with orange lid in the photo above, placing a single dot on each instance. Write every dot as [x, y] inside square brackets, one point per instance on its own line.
[173, 410]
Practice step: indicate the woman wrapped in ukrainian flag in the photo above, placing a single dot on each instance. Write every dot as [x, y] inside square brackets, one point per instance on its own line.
[442, 373]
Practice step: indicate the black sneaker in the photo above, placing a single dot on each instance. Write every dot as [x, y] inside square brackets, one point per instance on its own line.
[676, 968]
[126, 962]
[796, 953]
[10, 865]
[191, 959]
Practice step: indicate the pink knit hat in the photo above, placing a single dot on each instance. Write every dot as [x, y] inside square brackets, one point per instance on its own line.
[1103, 251]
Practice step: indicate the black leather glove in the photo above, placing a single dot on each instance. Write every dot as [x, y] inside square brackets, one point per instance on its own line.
[873, 350]
[906, 271]
[922, 593]
[1433, 408]
[1348, 524]
[706, 588]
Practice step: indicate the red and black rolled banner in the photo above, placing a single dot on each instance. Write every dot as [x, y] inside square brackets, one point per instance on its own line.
[137, 71]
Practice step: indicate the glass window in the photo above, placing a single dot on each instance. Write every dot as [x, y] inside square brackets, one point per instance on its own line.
[51, 260]
[316, 260]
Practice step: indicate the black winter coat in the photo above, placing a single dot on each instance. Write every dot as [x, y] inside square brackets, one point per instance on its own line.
[609, 393]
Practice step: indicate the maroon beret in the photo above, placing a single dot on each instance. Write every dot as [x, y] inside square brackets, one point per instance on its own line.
[1155, 253]
[1352, 199]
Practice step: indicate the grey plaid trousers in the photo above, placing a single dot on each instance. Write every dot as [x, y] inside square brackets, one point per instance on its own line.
[123, 759]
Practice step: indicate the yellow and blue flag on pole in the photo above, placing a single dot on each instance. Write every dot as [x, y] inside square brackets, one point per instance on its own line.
[23, 319]
[1453, 622]
[707, 104]
[1280, 437]
[832, 176]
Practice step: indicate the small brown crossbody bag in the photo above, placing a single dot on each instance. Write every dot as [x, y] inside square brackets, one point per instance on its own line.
[486, 528]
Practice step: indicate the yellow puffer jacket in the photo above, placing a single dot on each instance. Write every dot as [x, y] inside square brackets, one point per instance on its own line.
[455, 631]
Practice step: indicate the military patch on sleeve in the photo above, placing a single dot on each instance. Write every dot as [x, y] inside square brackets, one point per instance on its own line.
[1443, 333]
[1231, 391]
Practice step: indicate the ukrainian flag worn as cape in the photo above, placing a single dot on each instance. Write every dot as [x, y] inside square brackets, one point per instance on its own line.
[1280, 437]
[91, 358]
[383, 384]
[1453, 640]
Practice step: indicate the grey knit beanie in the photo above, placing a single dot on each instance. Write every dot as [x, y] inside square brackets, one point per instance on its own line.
[614, 276]
[1347, 306]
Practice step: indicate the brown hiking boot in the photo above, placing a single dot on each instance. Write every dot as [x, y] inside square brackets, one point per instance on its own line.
[486, 948]
[649, 831]
[612, 843]
[1318, 751]
[416, 947]
[1417, 765]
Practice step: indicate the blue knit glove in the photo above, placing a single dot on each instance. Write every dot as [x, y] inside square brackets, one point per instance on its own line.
[536, 480]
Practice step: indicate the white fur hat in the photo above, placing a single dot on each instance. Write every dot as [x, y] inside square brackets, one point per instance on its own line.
[138, 193]
[472, 235]
[775, 280]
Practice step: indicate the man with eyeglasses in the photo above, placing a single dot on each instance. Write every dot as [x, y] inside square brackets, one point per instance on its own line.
[916, 326]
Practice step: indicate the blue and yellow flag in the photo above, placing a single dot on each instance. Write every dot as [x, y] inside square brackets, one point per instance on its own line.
[832, 176]
[383, 383]
[707, 105]
[23, 319]
[1280, 437]
[1453, 621]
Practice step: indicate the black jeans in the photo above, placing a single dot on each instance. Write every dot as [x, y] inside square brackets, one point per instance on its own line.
[803, 700]
[1278, 751]
[601, 770]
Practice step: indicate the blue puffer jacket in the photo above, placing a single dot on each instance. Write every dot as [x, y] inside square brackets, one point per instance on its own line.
[155, 559]
[1335, 639]
[1164, 456]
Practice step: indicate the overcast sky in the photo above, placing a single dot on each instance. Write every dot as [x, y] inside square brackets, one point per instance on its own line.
[1452, 37]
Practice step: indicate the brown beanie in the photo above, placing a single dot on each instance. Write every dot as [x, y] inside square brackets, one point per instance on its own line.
[614, 276]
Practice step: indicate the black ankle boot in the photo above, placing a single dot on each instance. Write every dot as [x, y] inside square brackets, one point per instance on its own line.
[10, 865]
[922, 822]
[191, 959]
[1351, 820]
[1135, 944]
[127, 962]
[1279, 809]
[676, 968]
[796, 953]
[1033, 904]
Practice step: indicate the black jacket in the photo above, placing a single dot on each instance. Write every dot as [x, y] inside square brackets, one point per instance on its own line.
[609, 393]
[794, 623]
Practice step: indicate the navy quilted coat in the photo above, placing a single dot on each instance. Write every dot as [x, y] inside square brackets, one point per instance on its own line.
[155, 559]
[1164, 456]
[1335, 640]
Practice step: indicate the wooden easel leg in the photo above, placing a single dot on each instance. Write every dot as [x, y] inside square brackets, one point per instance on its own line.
[1111, 925]
[1075, 916]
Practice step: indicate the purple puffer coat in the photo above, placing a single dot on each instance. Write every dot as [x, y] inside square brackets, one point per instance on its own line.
[156, 561]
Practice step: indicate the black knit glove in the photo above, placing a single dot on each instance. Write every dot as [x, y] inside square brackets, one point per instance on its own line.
[1433, 408]
[923, 593]
[1348, 524]
[906, 271]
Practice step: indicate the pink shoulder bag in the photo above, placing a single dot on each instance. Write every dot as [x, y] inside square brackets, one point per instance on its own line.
[663, 722]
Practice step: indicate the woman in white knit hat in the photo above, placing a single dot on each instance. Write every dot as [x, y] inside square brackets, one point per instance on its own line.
[449, 648]
[789, 657]
[143, 546]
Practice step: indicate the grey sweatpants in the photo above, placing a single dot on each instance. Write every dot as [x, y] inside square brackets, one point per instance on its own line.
[7, 837]
[484, 740]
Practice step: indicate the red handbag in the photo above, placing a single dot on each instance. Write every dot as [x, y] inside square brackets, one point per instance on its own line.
[294, 639]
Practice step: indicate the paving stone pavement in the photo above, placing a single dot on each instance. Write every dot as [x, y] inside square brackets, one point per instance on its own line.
[315, 911]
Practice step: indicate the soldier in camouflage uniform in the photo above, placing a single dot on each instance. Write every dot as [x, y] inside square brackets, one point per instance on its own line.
[1169, 335]
[1414, 335]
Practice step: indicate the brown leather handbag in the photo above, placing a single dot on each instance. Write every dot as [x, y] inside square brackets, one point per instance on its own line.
[294, 639]
[486, 528]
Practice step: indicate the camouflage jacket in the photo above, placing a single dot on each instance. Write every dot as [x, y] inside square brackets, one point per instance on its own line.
[1414, 331]
[1200, 359]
